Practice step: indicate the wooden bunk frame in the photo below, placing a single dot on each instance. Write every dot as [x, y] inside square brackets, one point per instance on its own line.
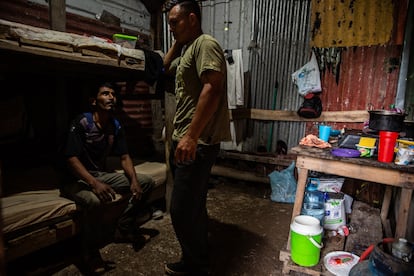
[17, 43]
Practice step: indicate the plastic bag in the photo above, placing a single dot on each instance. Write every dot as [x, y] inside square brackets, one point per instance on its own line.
[307, 78]
[335, 216]
[283, 185]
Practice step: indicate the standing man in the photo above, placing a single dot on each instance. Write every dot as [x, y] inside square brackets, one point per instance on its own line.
[201, 122]
[94, 136]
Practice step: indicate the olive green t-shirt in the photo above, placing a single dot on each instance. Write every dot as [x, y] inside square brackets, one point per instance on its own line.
[201, 55]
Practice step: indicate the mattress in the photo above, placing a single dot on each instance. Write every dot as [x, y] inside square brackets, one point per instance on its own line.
[33, 207]
[35, 219]
[157, 170]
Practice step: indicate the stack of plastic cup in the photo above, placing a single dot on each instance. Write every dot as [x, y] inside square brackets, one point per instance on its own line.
[386, 146]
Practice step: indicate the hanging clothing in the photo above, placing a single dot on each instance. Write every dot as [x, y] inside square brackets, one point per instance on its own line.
[235, 78]
[235, 96]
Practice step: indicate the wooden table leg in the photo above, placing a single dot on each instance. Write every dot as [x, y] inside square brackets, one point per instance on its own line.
[385, 208]
[300, 192]
[405, 200]
[386, 203]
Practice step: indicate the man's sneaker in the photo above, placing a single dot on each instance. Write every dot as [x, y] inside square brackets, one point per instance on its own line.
[157, 214]
[178, 268]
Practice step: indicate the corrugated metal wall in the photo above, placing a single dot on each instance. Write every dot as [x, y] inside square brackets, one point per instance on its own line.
[274, 38]
[230, 23]
[365, 74]
[282, 31]
[367, 79]
[351, 23]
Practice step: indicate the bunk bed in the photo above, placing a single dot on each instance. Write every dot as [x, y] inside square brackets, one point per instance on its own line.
[34, 215]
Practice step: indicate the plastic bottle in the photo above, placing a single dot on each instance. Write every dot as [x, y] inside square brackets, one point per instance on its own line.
[313, 203]
[402, 250]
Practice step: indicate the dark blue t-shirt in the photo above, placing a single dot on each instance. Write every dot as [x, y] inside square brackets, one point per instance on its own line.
[93, 145]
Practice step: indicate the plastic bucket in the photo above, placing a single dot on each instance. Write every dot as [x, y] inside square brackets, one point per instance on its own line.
[386, 146]
[305, 240]
[382, 263]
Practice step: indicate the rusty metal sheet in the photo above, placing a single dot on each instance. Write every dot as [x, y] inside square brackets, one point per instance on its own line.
[367, 80]
[351, 22]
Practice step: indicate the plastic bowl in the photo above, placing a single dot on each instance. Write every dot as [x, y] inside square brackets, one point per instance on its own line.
[365, 151]
[335, 132]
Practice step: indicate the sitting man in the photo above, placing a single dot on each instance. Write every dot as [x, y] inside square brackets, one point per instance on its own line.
[92, 138]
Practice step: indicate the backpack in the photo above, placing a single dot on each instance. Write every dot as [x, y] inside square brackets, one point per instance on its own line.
[89, 118]
[311, 106]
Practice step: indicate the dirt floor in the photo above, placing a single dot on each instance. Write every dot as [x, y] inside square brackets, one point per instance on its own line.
[247, 230]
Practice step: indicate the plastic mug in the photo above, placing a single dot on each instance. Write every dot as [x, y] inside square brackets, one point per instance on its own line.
[386, 146]
[324, 132]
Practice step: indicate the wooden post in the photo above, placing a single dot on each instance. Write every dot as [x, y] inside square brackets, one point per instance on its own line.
[402, 219]
[2, 251]
[170, 106]
[57, 15]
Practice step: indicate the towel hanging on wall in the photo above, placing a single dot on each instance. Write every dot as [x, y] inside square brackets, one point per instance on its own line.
[235, 78]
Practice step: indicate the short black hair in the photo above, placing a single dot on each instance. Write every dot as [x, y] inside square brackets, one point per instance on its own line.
[189, 6]
[94, 92]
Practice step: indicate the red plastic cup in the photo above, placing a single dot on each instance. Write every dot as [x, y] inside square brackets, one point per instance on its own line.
[386, 146]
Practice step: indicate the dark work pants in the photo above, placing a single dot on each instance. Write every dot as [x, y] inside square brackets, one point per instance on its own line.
[188, 205]
[94, 231]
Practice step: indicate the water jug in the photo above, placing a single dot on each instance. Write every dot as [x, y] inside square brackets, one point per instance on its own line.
[314, 203]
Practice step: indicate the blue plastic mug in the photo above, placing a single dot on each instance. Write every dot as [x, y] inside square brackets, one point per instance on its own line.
[324, 132]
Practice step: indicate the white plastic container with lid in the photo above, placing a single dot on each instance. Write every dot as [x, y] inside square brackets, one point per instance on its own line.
[402, 250]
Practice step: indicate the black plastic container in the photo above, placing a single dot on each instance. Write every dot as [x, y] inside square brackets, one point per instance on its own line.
[382, 263]
[386, 120]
